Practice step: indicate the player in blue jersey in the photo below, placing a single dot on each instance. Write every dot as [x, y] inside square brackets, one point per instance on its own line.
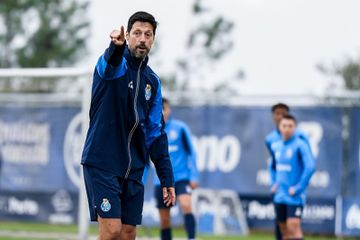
[294, 166]
[278, 111]
[126, 126]
[1, 161]
[183, 160]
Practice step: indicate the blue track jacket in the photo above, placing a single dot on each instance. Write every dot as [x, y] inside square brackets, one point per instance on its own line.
[275, 136]
[182, 152]
[294, 166]
[126, 124]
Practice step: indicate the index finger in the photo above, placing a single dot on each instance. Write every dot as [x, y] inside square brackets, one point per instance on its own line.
[165, 193]
[122, 31]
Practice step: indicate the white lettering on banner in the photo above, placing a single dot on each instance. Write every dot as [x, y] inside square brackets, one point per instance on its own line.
[62, 202]
[263, 177]
[22, 207]
[315, 132]
[206, 207]
[25, 142]
[312, 213]
[214, 154]
[353, 217]
[320, 179]
[63, 205]
[315, 213]
[261, 211]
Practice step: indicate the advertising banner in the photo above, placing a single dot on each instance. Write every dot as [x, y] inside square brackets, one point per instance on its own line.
[350, 218]
[319, 215]
[32, 141]
[232, 154]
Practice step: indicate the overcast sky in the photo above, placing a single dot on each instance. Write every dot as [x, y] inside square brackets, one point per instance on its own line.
[277, 42]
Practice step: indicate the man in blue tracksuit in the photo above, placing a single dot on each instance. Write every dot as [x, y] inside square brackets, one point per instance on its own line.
[125, 127]
[294, 166]
[183, 159]
[278, 111]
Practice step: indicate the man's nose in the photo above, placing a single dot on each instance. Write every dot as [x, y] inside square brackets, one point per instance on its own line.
[142, 38]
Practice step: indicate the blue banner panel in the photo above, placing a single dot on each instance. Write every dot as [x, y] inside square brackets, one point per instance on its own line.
[318, 217]
[232, 155]
[353, 170]
[32, 146]
[58, 207]
[350, 219]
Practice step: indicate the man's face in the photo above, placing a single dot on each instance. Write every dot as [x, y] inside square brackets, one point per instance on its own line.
[278, 114]
[166, 111]
[140, 39]
[287, 128]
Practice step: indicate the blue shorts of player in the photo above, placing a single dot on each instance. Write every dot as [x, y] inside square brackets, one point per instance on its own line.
[181, 187]
[110, 196]
[285, 211]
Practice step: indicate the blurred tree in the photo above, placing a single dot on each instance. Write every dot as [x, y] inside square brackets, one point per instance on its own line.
[208, 42]
[348, 71]
[51, 33]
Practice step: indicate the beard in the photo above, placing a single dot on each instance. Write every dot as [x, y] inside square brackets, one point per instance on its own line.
[140, 51]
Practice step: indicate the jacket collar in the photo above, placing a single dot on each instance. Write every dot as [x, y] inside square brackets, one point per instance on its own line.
[133, 61]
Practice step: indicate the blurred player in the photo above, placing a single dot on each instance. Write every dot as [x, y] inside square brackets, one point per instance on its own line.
[278, 111]
[183, 159]
[294, 166]
[1, 162]
[126, 127]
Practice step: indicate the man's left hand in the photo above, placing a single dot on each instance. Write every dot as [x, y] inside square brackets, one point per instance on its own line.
[169, 196]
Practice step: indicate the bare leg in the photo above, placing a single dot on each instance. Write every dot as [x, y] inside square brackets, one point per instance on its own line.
[128, 232]
[185, 203]
[109, 228]
[283, 230]
[165, 220]
[293, 227]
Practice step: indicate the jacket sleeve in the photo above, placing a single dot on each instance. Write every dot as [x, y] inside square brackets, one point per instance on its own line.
[157, 143]
[272, 166]
[308, 170]
[112, 64]
[194, 173]
[303, 136]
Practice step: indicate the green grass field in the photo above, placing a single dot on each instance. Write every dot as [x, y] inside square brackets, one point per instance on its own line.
[10, 230]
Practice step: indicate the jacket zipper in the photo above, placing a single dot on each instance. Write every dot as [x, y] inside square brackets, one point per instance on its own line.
[136, 120]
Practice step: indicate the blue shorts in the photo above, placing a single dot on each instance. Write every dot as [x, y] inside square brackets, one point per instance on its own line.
[285, 211]
[181, 187]
[110, 196]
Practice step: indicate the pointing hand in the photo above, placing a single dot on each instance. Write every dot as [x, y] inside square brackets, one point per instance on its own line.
[118, 37]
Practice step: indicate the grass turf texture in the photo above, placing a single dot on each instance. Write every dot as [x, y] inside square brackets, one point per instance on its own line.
[142, 231]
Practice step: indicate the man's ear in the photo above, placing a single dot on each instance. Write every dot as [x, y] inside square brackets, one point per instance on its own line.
[127, 36]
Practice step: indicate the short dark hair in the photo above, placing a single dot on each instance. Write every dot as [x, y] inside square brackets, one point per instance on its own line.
[280, 106]
[165, 101]
[289, 117]
[142, 17]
